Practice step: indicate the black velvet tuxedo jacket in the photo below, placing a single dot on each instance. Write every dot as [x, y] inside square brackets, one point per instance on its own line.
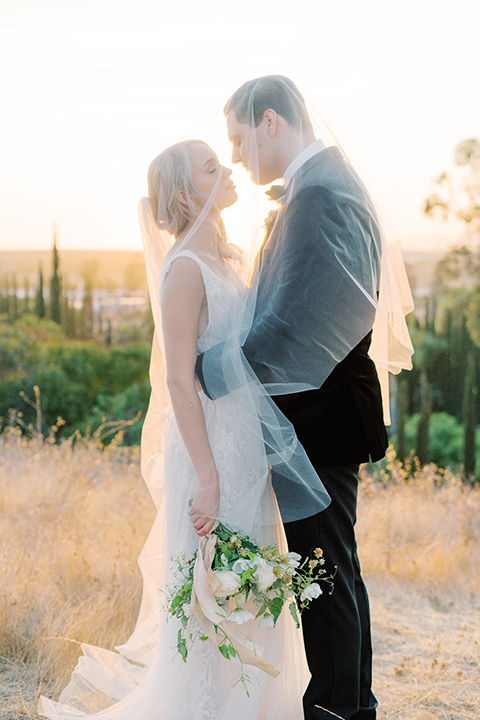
[342, 420]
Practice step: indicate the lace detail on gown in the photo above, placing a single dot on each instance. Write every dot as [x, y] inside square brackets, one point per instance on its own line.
[158, 685]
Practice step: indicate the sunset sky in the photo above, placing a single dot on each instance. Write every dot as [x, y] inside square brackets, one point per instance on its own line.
[92, 90]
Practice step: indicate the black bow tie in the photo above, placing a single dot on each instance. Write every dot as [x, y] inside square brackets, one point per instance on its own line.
[276, 192]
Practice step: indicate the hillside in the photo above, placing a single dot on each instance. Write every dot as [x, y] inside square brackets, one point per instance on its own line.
[103, 268]
[125, 268]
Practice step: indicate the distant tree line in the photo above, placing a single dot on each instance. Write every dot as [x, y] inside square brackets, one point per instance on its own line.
[58, 308]
[61, 303]
[59, 367]
[438, 409]
[86, 379]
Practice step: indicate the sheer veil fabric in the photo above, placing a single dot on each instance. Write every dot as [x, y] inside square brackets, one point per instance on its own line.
[141, 680]
[366, 282]
[145, 679]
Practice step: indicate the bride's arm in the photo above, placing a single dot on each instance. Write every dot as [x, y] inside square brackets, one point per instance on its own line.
[183, 294]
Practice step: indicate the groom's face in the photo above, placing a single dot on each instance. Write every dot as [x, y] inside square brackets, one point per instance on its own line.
[251, 147]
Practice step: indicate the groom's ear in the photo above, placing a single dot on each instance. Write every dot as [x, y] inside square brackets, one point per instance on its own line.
[270, 118]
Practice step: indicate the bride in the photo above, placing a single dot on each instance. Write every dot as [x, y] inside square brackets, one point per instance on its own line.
[203, 461]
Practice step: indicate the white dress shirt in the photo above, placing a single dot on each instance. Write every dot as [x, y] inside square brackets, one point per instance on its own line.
[307, 153]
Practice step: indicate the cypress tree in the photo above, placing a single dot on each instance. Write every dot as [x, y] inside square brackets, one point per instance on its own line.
[55, 312]
[469, 418]
[3, 301]
[87, 311]
[13, 305]
[402, 402]
[6, 297]
[39, 299]
[26, 301]
[433, 318]
[68, 317]
[423, 430]
[108, 334]
[427, 313]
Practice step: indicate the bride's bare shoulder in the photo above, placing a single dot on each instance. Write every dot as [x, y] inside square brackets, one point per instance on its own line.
[184, 275]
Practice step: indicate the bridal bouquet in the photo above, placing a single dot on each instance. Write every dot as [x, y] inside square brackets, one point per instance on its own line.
[231, 580]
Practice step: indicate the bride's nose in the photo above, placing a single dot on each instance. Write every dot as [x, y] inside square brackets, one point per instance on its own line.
[227, 171]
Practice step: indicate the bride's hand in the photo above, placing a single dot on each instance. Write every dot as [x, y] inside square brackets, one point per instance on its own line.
[204, 509]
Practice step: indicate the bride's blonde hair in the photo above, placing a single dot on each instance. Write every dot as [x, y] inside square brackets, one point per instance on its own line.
[170, 174]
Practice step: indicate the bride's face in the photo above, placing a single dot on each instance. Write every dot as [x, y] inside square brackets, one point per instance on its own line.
[205, 170]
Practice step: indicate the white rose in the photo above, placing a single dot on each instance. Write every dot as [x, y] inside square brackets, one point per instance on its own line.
[266, 622]
[230, 583]
[240, 616]
[187, 610]
[293, 559]
[311, 592]
[264, 575]
[240, 565]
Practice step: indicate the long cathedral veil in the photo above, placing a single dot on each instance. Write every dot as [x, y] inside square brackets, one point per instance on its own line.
[103, 677]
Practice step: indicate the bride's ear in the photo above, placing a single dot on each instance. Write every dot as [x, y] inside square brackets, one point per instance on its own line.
[181, 197]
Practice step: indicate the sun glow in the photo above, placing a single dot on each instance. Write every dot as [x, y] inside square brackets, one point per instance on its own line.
[91, 96]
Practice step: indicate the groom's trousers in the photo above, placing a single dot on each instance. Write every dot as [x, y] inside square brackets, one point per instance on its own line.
[336, 627]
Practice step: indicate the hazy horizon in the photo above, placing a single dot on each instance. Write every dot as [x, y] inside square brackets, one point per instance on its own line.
[91, 96]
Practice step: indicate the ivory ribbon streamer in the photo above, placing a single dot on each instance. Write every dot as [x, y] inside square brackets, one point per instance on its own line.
[207, 611]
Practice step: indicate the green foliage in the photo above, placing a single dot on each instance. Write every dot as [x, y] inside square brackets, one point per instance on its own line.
[446, 440]
[457, 193]
[125, 405]
[83, 382]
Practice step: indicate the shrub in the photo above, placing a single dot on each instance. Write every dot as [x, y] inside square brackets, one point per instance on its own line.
[446, 439]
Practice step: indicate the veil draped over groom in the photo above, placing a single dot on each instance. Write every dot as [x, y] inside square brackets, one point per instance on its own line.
[324, 323]
[312, 301]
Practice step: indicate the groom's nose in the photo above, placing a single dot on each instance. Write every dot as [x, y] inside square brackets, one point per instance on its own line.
[236, 155]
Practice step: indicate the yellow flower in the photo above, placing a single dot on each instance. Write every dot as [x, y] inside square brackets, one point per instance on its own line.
[318, 552]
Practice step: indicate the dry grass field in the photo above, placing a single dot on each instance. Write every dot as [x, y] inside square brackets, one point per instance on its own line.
[73, 520]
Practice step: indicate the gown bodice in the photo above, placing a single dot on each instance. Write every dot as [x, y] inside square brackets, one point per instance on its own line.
[225, 300]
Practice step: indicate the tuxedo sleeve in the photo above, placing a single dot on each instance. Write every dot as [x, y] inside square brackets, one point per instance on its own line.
[213, 381]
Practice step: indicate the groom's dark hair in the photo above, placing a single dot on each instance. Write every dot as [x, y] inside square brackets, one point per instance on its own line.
[271, 92]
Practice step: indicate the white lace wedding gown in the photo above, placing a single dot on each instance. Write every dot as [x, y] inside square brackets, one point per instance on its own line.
[146, 679]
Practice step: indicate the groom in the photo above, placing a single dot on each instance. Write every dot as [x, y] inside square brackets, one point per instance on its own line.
[340, 424]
